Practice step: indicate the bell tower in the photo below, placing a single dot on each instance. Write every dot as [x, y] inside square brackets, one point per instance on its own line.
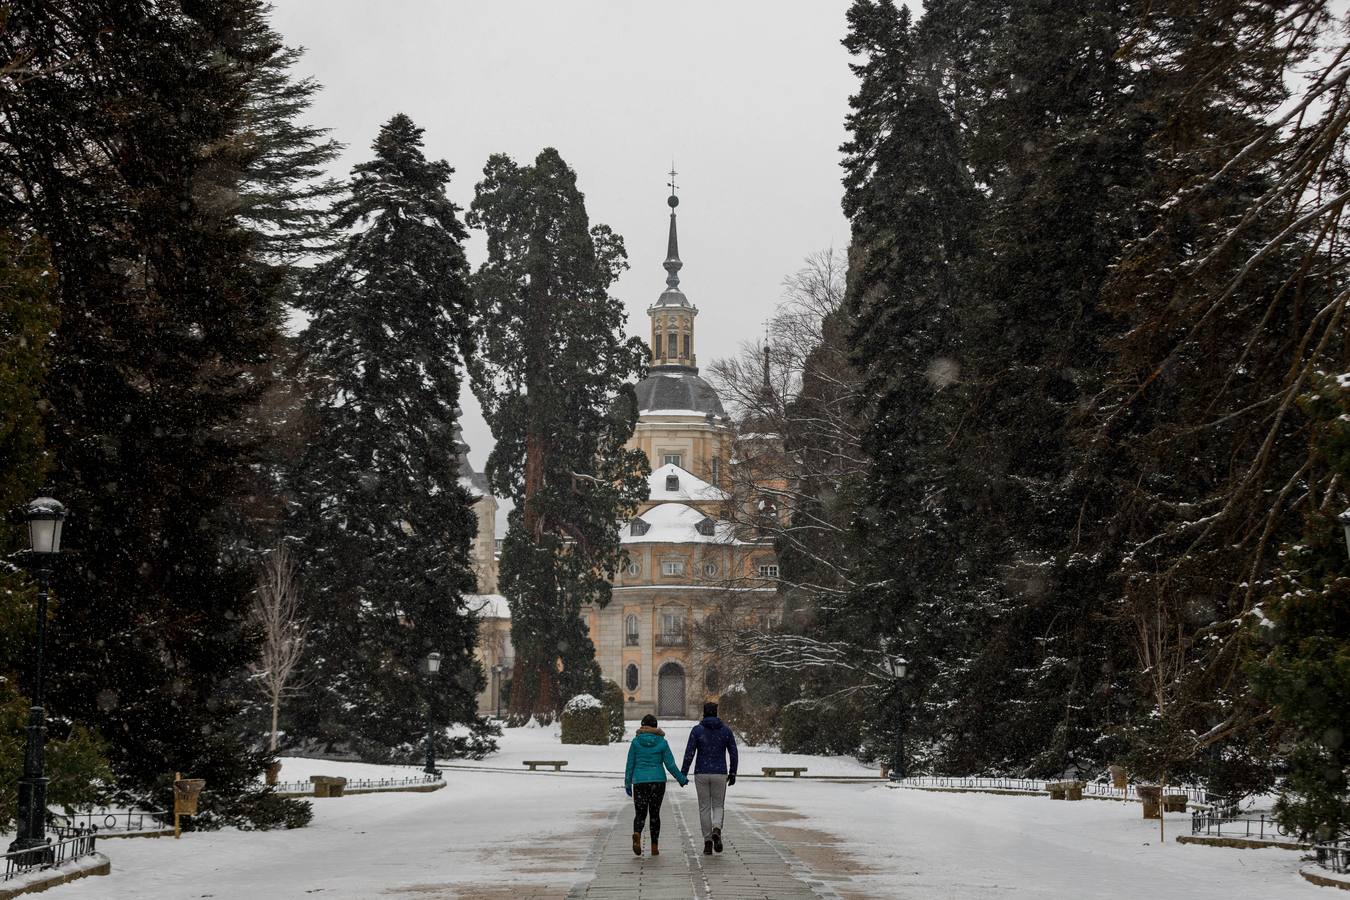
[672, 333]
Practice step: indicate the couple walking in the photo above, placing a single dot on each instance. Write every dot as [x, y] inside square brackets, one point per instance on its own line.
[649, 757]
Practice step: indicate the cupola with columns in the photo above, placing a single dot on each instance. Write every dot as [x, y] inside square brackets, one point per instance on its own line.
[672, 334]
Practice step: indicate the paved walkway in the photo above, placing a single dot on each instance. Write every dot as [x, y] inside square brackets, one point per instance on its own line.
[752, 867]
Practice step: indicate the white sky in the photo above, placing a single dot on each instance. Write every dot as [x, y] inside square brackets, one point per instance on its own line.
[748, 97]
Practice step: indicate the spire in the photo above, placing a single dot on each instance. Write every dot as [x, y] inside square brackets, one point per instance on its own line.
[672, 263]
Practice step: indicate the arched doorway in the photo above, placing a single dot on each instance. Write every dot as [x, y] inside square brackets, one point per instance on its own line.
[670, 691]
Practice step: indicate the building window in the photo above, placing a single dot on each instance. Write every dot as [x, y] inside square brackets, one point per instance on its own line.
[672, 567]
[630, 626]
[672, 482]
[768, 570]
[712, 680]
[767, 622]
[671, 459]
[710, 569]
[630, 677]
[656, 345]
[673, 342]
[673, 633]
[716, 469]
[686, 345]
[706, 527]
[632, 569]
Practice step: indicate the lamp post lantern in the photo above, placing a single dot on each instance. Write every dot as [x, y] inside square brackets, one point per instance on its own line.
[431, 665]
[497, 671]
[1344, 519]
[44, 517]
[898, 669]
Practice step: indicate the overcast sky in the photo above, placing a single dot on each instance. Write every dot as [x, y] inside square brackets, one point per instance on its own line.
[747, 96]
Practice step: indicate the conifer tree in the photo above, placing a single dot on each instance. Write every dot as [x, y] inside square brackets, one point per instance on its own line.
[384, 525]
[122, 151]
[552, 372]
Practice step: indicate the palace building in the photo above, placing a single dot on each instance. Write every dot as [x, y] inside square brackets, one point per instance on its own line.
[685, 554]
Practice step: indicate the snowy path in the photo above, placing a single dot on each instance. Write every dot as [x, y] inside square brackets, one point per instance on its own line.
[751, 867]
[498, 832]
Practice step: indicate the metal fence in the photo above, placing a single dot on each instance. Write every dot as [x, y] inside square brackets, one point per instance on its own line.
[116, 821]
[1334, 856]
[1037, 785]
[1261, 827]
[70, 844]
[307, 787]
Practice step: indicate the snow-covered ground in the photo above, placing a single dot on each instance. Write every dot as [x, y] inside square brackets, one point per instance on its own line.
[521, 744]
[509, 832]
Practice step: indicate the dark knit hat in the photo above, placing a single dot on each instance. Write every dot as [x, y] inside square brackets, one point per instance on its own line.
[649, 721]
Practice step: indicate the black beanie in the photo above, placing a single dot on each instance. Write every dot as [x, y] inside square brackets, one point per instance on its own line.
[709, 710]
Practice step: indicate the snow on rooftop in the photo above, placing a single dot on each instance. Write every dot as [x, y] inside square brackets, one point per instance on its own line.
[675, 523]
[691, 487]
[488, 606]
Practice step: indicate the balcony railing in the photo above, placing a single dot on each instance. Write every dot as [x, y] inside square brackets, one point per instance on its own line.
[630, 640]
[672, 639]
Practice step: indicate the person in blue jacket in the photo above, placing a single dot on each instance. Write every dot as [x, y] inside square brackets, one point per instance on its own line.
[644, 779]
[713, 742]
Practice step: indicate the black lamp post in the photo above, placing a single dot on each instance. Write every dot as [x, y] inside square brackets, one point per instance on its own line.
[497, 672]
[431, 665]
[898, 669]
[44, 517]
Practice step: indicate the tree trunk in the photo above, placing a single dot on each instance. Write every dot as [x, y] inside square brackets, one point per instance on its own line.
[534, 480]
[276, 710]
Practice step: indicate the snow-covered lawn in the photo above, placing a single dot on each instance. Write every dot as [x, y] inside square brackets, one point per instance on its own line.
[924, 844]
[498, 826]
[520, 744]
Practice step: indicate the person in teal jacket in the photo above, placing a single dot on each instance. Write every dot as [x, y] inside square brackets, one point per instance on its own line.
[649, 758]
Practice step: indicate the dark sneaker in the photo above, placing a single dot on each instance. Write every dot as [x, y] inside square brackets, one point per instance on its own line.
[707, 848]
[717, 839]
[637, 843]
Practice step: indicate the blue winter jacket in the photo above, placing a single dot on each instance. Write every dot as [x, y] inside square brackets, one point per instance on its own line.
[649, 757]
[713, 742]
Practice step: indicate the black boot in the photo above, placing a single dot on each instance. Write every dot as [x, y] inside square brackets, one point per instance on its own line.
[717, 839]
[637, 843]
[707, 848]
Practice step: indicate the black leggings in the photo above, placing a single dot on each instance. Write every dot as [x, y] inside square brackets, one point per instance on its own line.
[647, 798]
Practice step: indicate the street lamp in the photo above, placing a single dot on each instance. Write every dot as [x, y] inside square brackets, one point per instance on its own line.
[44, 517]
[1344, 519]
[431, 665]
[497, 671]
[898, 669]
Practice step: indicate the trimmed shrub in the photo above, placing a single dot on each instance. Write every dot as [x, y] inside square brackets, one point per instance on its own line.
[612, 697]
[585, 721]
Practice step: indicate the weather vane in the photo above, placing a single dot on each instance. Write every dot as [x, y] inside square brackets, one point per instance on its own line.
[673, 173]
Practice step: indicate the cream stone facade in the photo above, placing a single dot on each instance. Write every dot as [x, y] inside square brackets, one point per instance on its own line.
[494, 651]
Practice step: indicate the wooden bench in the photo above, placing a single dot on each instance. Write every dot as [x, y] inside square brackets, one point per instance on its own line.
[1065, 790]
[328, 785]
[557, 764]
[772, 771]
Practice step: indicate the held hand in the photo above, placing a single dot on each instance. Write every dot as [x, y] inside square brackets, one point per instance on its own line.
[731, 779]
[684, 782]
[628, 789]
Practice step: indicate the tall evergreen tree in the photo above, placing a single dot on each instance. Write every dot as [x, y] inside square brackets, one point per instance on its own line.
[120, 141]
[552, 372]
[384, 526]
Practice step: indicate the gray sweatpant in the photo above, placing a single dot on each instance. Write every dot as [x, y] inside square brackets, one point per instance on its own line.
[712, 799]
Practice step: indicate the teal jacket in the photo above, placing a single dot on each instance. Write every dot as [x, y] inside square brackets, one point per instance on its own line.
[649, 758]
